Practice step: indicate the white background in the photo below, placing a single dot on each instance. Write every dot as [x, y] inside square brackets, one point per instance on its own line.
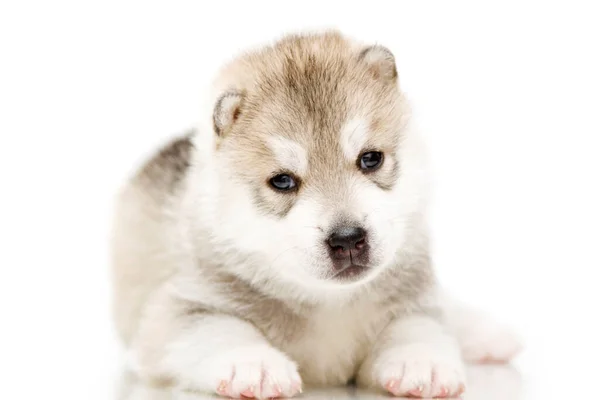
[508, 95]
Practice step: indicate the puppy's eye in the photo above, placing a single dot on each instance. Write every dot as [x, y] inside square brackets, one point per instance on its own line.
[283, 182]
[370, 160]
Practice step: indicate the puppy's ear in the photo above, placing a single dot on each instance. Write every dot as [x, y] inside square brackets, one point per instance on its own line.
[381, 62]
[227, 110]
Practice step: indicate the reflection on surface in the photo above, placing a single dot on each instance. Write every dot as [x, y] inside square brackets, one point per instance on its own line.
[493, 382]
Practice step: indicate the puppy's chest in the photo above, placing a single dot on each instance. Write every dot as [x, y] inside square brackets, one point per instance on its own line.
[334, 342]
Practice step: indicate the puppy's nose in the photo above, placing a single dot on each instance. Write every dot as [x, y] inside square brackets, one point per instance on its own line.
[347, 238]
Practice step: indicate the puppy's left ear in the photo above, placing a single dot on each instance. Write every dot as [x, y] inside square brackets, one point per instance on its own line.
[381, 62]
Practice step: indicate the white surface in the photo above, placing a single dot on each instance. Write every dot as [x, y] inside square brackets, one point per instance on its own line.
[508, 95]
[486, 383]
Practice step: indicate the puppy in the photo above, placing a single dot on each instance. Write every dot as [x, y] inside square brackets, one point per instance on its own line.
[284, 242]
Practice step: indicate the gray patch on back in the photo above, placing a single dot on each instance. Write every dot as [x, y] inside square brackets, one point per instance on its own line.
[163, 172]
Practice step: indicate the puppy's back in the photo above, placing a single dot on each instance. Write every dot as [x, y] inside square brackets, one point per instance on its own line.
[140, 257]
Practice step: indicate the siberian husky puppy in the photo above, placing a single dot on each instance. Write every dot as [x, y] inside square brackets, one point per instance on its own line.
[284, 242]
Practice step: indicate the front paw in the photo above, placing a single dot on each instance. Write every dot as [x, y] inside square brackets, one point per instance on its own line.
[258, 371]
[420, 370]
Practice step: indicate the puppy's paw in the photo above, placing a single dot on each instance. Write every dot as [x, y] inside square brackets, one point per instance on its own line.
[253, 372]
[419, 370]
[488, 342]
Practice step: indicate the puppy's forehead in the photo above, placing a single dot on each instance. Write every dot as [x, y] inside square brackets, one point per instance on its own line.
[305, 149]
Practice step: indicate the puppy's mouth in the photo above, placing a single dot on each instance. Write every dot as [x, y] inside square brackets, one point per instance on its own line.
[352, 272]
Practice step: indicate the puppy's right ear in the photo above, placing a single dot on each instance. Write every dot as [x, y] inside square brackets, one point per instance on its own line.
[381, 62]
[226, 111]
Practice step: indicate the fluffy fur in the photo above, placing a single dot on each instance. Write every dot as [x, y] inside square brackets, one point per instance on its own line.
[223, 284]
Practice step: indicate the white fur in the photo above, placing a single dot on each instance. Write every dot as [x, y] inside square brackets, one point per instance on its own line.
[289, 154]
[354, 135]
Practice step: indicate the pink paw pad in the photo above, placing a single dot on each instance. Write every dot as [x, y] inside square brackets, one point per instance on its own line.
[416, 392]
[248, 393]
[443, 392]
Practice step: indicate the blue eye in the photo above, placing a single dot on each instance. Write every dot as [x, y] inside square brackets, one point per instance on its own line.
[370, 160]
[283, 182]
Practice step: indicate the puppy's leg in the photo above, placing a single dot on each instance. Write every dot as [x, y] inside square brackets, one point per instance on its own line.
[415, 357]
[206, 352]
[481, 339]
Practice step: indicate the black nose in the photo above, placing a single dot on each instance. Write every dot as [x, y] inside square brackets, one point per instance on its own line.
[347, 238]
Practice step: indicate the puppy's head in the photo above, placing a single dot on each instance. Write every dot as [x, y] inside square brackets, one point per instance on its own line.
[311, 164]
